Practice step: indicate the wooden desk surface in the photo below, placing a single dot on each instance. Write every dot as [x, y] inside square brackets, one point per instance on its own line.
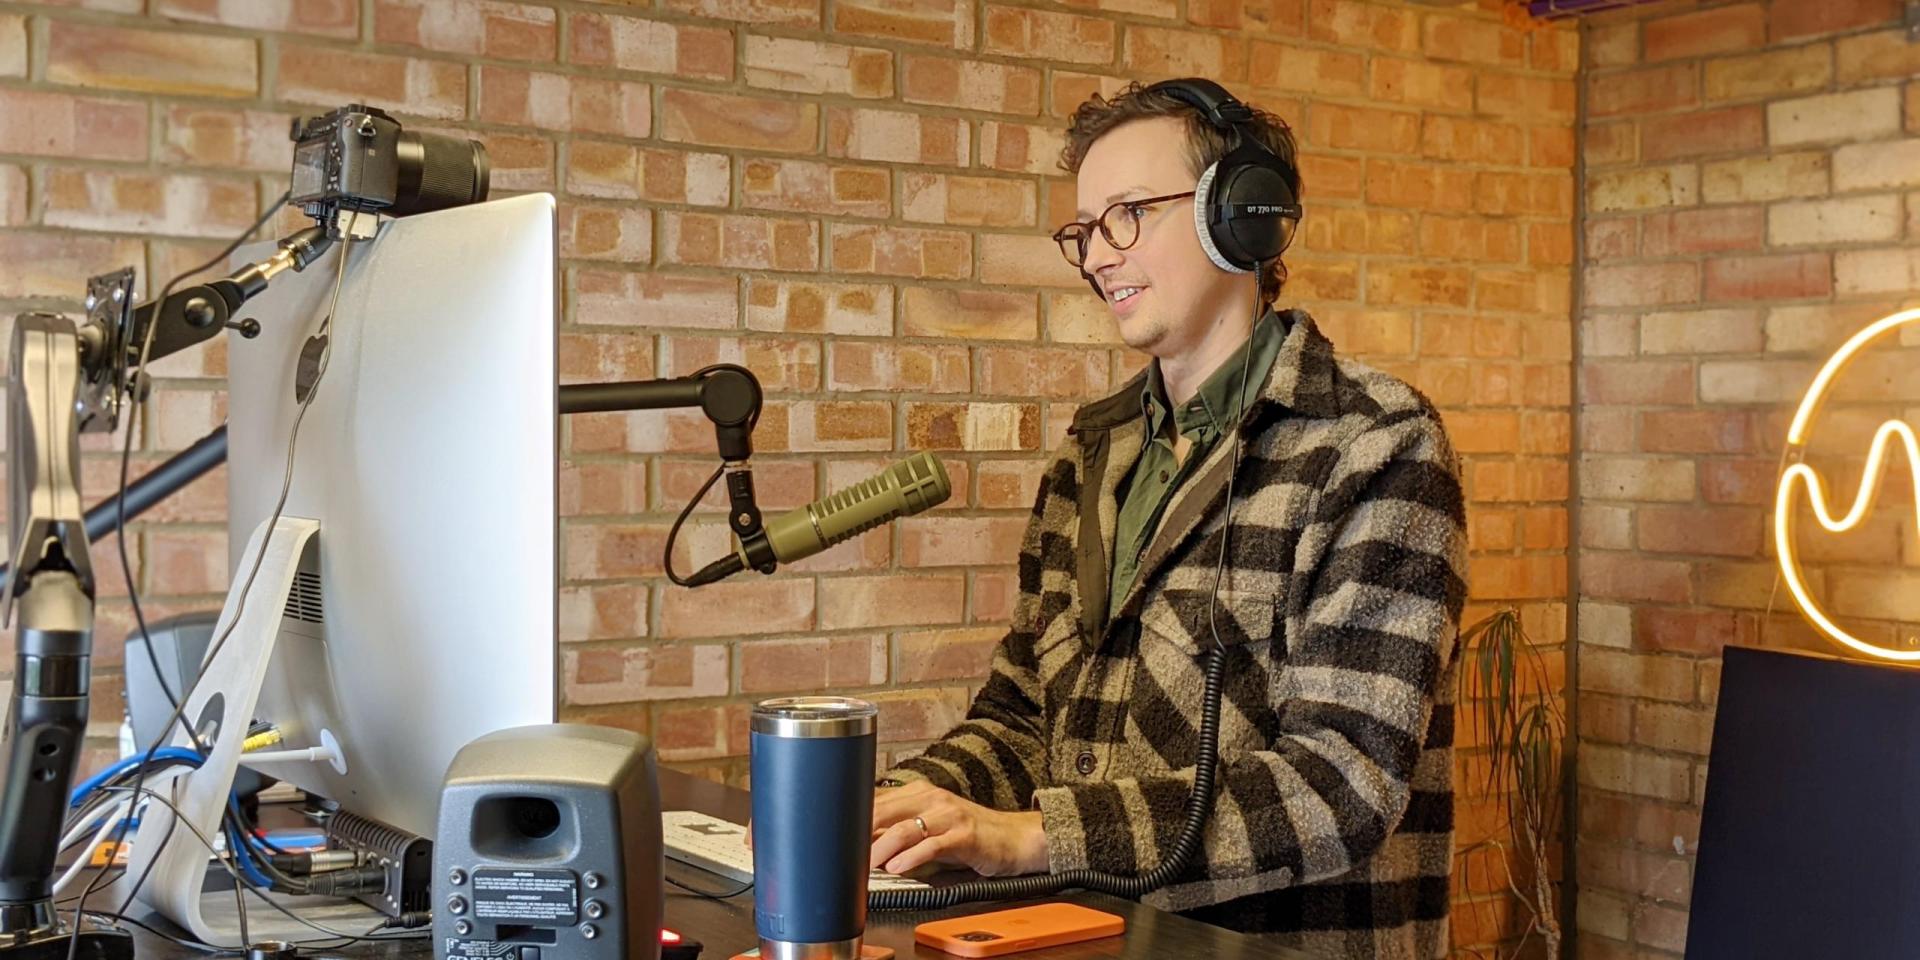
[726, 927]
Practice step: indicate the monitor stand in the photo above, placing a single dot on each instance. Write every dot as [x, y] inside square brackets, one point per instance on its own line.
[221, 708]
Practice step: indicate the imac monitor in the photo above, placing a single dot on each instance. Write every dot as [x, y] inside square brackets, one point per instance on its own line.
[424, 611]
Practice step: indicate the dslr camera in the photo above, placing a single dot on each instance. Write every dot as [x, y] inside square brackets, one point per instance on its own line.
[357, 158]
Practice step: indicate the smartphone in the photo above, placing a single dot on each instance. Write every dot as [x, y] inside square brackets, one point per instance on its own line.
[1012, 931]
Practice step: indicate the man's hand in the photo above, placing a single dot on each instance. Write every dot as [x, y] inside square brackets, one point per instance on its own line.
[954, 832]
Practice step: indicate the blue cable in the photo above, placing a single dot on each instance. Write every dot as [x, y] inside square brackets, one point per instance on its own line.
[163, 753]
[236, 839]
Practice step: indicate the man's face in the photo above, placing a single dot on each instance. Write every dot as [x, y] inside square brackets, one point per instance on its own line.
[1163, 291]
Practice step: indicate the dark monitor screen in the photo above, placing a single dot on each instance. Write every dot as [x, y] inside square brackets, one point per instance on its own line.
[1810, 835]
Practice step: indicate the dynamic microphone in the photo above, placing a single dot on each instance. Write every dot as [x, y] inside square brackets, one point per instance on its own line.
[903, 489]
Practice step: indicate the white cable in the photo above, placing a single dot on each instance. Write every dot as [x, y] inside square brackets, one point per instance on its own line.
[80, 862]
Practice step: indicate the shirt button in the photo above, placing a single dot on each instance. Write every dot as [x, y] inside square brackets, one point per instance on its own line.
[1084, 763]
[1163, 476]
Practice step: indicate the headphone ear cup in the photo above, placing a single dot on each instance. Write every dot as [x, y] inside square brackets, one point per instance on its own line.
[1205, 223]
[1252, 238]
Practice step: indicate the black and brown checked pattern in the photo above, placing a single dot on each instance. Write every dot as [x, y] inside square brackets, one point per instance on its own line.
[1333, 829]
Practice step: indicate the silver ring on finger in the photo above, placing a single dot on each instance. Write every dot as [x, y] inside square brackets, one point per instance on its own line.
[922, 824]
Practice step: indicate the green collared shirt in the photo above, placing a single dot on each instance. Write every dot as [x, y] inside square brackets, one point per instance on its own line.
[1150, 485]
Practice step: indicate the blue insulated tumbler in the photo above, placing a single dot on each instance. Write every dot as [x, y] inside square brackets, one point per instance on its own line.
[812, 825]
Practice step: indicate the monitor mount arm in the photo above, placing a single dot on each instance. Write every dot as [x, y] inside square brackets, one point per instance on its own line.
[66, 379]
[730, 397]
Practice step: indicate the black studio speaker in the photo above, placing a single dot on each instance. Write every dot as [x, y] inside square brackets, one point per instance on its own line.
[549, 847]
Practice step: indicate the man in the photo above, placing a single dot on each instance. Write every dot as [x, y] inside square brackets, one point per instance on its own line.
[1338, 605]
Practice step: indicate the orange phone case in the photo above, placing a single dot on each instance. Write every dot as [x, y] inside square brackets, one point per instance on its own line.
[1012, 931]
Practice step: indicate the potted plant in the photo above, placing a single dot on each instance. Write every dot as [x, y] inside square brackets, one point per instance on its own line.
[1506, 698]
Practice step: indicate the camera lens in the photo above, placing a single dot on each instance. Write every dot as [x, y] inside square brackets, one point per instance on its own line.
[438, 172]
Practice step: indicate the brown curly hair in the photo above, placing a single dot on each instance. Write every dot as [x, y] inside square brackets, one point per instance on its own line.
[1205, 142]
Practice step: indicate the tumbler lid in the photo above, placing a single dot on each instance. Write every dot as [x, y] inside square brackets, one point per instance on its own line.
[814, 717]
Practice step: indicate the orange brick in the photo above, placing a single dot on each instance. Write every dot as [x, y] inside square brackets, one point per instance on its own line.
[1020, 148]
[1460, 138]
[1364, 128]
[333, 18]
[1737, 28]
[1614, 44]
[901, 251]
[1280, 17]
[1027, 372]
[742, 242]
[738, 608]
[1775, 277]
[623, 171]
[327, 78]
[794, 12]
[1352, 230]
[601, 488]
[1637, 382]
[606, 233]
[947, 23]
[970, 85]
[1333, 178]
[1024, 260]
[1704, 132]
[806, 66]
[813, 663]
[1468, 238]
[920, 714]
[782, 365]
[805, 186]
[651, 672]
[1181, 53]
[1046, 35]
[1418, 285]
[896, 137]
[13, 195]
[650, 46]
[152, 61]
[1309, 70]
[560, 102]
[1352, 23]
[1647, 90]
[603, 612]
[519, 162]
[778, 485]
[146, 203]
[1473, 41]
[973, 426]
[221, 137]
[1712, 230]
[848, 425]
[959, 541]
[1518, 578]
[842, 309]
[984, 314]
[727, 120]
[1644, 285]
[1609, 144]
[1696, 431]
[1791, 21]
[13, 46]
[654, 299]
[1699, 632]
[970, 201]
[509, 31]
[915, 368]
[1420, 84]
[890, 601]
[1080, 318]
[47, 264]
[1421, 186]
[1009, 484]
[1773, 72]
[1722, 531]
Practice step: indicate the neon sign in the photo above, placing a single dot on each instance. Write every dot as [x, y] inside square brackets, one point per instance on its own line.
[1800, 474]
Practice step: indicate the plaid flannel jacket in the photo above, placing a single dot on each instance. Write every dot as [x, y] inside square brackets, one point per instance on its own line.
[1333, 826]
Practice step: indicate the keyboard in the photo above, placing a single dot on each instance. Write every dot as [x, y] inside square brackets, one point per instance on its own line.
[720, 847]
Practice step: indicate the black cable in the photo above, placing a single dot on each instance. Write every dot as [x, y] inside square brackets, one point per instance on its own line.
[126, 449]
[1200, 800]
[673, 532]
[709, 894]
[206, 948]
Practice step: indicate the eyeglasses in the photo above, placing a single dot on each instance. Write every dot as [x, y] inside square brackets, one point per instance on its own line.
[1121, 234]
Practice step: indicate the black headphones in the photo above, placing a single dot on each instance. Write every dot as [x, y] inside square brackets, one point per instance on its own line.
[1247, 204]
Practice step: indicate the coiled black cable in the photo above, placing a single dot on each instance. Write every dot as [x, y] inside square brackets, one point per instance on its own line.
[1185, 846]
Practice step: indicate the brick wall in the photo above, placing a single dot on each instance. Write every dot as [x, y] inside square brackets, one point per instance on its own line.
[852, 198]
[1747, 209]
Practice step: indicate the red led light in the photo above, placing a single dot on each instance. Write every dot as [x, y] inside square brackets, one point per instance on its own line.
[668, 936]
